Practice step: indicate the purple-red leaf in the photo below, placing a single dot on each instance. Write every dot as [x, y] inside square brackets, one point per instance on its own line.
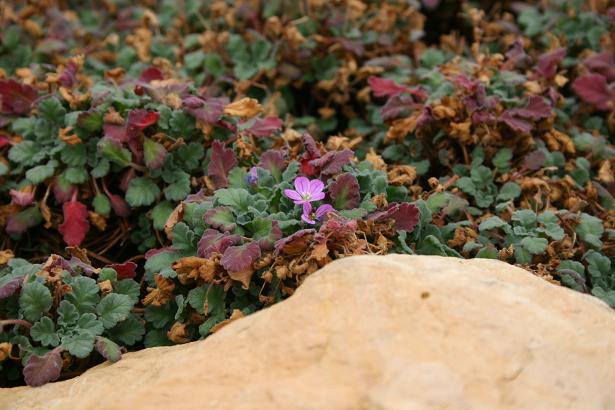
[264, 127]
[384, 87]
[405, 215]
[213, 241]
[142, 119]
[239, 258]
[21, 198]
[332, 162]
[593, 89]
[150, 74]
[546, 66]
[117, 133]
[336, 226]
[534, 160]
[75, 225]
[221, 218]
[16, 97]
[344, 192]
[20, 222]
[126, 270]
[516, 124]
[43, 369]
[266, 238]
[108, 349]
[10, 287]
[398, 105]
[274, 161]
[602, 63]
[296, 243]
[536, 109]
[222, 160]
[208, 111]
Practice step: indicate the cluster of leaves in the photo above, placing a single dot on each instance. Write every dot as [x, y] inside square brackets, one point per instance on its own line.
[495, 142]
[56, 314]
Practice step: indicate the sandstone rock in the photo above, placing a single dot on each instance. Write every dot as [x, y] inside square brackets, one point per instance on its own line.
[394, 332]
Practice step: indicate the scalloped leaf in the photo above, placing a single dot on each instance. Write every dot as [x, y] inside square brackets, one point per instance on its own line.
[222, 160]
[108, 349]
[274, 161]
[75, 225]
[345, 192]
[43, 369]
[221, 218]
[332, 162]
[406, 215]
[237, 258]
[16, 97]
[213, 241]
[154, 154]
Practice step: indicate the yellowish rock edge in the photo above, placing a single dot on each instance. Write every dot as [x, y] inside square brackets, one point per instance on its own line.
[376, 332]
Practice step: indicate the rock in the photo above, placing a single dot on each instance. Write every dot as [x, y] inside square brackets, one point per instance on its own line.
[373, 332]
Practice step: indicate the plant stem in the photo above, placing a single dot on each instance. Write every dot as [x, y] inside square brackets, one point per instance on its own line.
[15, 322]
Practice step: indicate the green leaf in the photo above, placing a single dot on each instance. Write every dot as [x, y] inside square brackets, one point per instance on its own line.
[160, 316]
[44, 331]
[101, 204]
[160, 213]
[34, 300]
[39, 173]
[525, 217]
[178, 190]
[509, 190]
[26, 153]
[492, 223]
[108, 349]
[88, 323]
[590, 229]
[74, 155]
[535, 246]
[114, 152]
[237, 198]
[129, 288]
[113, 308]
[83, 294]
[599, 266]
[607, 295]
[184, 238]
[466, 185]
[76, 175]
[79, 345]
[127, 332]
[142, 191]
[68, 313]
[108, 274]
[52, 111]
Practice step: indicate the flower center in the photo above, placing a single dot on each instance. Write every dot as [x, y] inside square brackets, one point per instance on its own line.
[305, 196]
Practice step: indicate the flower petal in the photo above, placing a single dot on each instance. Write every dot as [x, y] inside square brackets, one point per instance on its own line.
[293, 195]
[316, 186]
[323, 210]
[305, 218]
[302, 185]
[317, 197]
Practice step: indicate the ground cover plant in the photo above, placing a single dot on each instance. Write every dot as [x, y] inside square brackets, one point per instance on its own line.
[168, 168]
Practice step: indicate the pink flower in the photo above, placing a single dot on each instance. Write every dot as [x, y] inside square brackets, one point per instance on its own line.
[309, 216]
[306, 191]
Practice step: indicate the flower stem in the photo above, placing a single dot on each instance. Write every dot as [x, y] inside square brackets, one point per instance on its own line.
[15, 322]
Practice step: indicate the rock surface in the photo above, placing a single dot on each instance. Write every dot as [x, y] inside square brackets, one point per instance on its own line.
[372, 332]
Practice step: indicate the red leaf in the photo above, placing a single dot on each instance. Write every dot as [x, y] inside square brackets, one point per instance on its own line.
[10, 287]
[406, 215]
[222, 160]
[150, 74]
[75, 225]
[21, 198]
[43, 369]
[62, 190]
[126, 270]
[117, 133]
[602, 63]
[547, 63]
[4, 140]
[332, 162]
[516, 124]
[16, 97]
[69, 76]
[208, 111]
[344, 192]
[274, 161]
[534, 160]
[398, 105]
[264, 127]
[238, 258]
[213, 241]
[384, 87]
[536, 109]
[141, 119]
[593, 89]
